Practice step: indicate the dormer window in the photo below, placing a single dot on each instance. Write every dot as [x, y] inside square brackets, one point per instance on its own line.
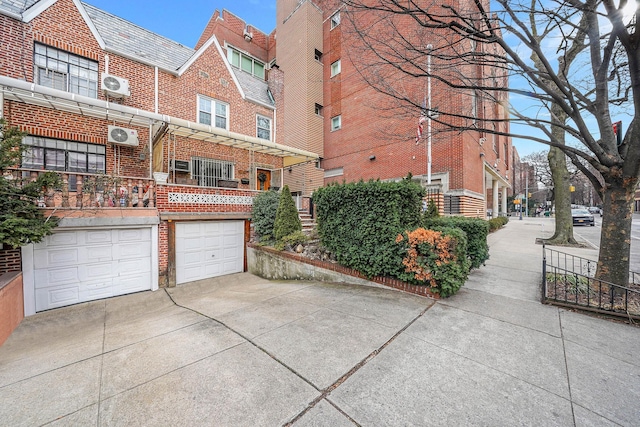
[245, 62]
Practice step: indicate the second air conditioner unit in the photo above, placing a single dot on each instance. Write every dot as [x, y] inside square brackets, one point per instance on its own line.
[123, 136]
[180, 165]
[116, 87]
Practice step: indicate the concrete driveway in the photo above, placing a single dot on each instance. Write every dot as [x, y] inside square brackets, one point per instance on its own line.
[243, 351]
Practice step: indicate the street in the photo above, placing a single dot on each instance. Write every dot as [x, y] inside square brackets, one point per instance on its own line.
[592, 236]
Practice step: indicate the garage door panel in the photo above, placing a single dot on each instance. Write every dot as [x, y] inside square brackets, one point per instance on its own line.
[190, 229]
[190, 273]
[95, 237]
[95, 254]
[51, 258]
[212, 228]
[66, 238]
[56, 297]
[132, 235]
[133, 283]
[97, 271]
[192, 243]
[131, 250]
[45, 278]
[133, 267]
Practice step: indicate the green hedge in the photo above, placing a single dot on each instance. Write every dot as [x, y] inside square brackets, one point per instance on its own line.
[287, 217]
[265, 206]
[476, 230]
[359, 222]
[498, 222]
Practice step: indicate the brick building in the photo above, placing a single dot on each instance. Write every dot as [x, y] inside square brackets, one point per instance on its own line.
[161, 147]
[360, 133]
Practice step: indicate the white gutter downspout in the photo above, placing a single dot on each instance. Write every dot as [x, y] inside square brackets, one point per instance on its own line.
[150, 150]
[151, 124]
[106, 64]
[156, 90]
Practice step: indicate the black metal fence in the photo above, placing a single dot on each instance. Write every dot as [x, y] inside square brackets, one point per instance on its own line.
[569, 280]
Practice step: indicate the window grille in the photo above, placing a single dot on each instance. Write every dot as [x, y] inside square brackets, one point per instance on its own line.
[209, 171]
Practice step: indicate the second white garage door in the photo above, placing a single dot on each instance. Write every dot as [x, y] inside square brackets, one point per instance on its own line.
[207, 249]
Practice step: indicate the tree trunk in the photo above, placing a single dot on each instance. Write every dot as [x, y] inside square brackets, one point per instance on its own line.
[560, 174]
[615, 238]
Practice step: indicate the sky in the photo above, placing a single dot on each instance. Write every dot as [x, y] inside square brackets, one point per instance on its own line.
[183, 21]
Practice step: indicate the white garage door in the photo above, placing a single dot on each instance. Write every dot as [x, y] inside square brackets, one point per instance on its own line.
[208, 249]
[83, 265]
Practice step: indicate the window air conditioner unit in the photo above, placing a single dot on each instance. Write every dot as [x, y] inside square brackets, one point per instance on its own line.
[115, 86]
[180, 165]
[123, 136]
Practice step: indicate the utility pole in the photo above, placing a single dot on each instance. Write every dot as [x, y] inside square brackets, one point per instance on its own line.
[429, 47]
[526, 192]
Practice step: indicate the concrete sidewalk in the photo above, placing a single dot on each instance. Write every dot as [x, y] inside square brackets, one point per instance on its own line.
[243, 351]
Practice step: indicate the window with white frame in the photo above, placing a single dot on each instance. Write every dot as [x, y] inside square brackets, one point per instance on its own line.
[335, 68]
[336, 123]
[208, 172]
[58, 69]
[263, 125]
[335, 20]
[55, 154]
[213, 112]
[245, 62]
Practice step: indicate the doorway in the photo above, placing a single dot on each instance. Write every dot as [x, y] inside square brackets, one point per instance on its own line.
[263, 179]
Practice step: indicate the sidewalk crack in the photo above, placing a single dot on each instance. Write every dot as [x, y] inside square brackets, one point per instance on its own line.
[327, 391]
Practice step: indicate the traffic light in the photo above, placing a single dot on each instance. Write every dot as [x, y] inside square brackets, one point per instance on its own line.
[617, 131]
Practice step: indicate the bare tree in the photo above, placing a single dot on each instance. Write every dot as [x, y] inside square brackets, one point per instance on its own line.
[584, 68]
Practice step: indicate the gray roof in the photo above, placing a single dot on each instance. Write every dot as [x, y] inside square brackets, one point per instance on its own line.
[16, 7]
[253, 87]
[137, 42]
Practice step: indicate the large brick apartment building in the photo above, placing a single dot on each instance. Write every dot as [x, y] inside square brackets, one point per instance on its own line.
[162, 147]
[351, 125]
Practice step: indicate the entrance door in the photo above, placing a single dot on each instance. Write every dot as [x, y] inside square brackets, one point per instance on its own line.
[263, 179]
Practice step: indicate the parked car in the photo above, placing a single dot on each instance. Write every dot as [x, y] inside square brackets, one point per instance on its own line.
[582, 217]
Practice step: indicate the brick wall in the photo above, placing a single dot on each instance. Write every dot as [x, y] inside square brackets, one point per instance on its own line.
[11, 304]
[10, 260]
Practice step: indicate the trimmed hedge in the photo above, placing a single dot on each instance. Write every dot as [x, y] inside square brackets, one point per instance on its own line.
[497, 222]
[359, 222]
[476, 230]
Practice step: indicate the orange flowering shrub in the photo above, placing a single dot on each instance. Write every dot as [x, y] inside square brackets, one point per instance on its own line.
[436, 258]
